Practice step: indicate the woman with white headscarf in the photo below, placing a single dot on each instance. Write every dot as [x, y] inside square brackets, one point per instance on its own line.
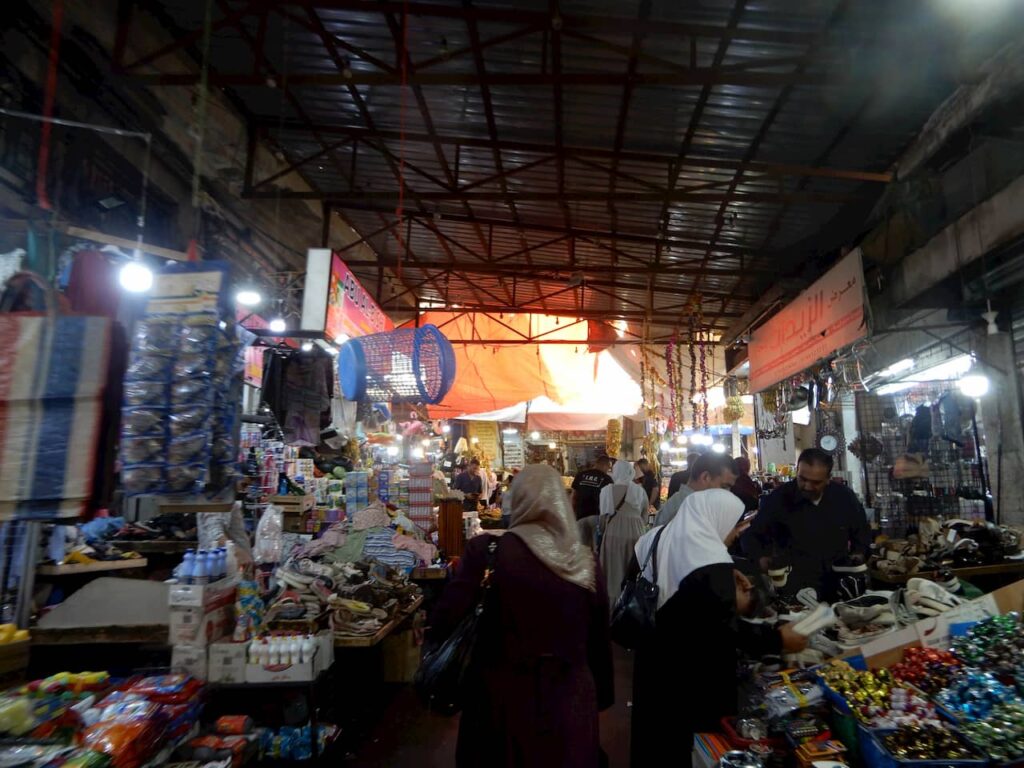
[543, 658]
[685, 681]
[622, 522]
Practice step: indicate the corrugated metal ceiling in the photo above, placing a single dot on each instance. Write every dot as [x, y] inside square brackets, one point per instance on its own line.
[636, 143]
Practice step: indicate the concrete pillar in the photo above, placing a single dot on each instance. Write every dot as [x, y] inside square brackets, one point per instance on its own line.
[1000, 421]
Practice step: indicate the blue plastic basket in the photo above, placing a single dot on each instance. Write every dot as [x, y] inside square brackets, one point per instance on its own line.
[875, 755]
[408, 365]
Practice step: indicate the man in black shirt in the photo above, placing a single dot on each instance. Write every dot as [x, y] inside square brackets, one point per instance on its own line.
[587, 485]
[471, 484]
[809, 524]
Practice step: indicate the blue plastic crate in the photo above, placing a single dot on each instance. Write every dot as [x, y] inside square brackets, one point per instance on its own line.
[874, 754]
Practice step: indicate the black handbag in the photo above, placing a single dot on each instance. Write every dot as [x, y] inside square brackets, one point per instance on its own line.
[441, 679]
[633, 616]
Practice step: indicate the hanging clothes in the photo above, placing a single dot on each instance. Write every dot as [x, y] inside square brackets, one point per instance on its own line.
[297, 387]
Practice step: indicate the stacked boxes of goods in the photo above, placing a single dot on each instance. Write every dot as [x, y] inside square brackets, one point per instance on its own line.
[421, 494]
[357, 492]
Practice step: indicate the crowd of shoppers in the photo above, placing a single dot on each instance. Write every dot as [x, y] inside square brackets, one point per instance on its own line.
[545, 669]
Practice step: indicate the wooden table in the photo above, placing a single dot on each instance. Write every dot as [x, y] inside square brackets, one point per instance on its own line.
[101, 566]
[430, 573]
[998, 569]
[148, 634]
[368, 641]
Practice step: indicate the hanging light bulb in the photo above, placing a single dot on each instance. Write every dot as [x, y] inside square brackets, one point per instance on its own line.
[974, 385]
[535, 435]
[277, 325]
[135, 277]
[248, 298]
[307, 346]
[665, 446]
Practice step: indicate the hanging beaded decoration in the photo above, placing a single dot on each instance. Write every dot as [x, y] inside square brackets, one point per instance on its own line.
[693, 370]
[673, 384]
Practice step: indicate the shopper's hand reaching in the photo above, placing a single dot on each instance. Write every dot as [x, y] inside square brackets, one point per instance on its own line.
[792, 641]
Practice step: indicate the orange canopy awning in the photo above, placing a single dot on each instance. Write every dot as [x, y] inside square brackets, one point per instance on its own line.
[511, 364]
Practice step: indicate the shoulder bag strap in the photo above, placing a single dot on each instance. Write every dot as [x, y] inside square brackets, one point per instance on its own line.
[652, 557]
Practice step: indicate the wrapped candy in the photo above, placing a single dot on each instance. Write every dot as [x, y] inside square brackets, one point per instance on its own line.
[1001, 734]
[926, 742]
[929, 669]
[974, 694]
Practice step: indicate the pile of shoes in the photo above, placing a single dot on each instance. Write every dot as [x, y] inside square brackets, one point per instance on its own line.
[170, 527]
[926, 598]
[355, 599]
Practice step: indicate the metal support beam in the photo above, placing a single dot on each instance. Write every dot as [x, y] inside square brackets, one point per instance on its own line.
[699, 76]
[662, 159]
[683, 196]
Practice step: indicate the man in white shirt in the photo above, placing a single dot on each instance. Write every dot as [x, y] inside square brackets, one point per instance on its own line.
[710, 470]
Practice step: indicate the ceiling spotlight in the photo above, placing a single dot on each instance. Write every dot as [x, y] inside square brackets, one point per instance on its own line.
[446, 429]
[248, 298]
[135, 277]
[551, 446]
[277, 325]
[535, 435]
[307, 346]
[975, 385]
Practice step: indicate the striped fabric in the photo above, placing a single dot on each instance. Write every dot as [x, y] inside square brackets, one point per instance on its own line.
[52, 374]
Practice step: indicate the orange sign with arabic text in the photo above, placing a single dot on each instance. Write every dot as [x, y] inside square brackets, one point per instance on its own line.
[826, 317]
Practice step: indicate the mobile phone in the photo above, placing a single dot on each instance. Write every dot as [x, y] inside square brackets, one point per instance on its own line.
[748, 516]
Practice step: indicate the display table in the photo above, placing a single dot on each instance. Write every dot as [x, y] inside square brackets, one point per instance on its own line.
[77, 569]
[369, 641]
[1013, 568]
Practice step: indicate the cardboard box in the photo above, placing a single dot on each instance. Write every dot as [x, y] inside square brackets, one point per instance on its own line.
[205, 596]
[323, 658]
[194, 626]
[400, 656]
[227, 662]
[295, 523]
[191, 659]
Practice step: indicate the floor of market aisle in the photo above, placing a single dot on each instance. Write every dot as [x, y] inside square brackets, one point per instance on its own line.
[409, 737]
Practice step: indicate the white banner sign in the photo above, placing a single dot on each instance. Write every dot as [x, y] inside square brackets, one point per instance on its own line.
[826, 317]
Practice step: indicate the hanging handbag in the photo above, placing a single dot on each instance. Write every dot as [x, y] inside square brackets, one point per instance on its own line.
[633, 616]
[441, 678]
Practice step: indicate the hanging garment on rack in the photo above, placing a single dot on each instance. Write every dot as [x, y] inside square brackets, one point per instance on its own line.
[297, 388]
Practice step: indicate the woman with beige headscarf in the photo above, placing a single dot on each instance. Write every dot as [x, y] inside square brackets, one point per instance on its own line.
[543, 659]
[623, 521]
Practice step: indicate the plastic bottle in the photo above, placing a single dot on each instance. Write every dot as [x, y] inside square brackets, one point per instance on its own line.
[252, 464]
[230, 559]
[202, 569]
[308, 647]
[294, 650]
[219, 561]
[275, 652]
[187, 569]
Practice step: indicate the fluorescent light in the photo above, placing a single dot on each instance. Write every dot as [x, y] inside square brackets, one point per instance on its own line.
[135, 277]
[248, 298]
[307, 346]
[747, 399]
[718, 448]
[975, 385]
[277, 325]
[946, 371]
[892, 389]
[900, 366]
[510, 431]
